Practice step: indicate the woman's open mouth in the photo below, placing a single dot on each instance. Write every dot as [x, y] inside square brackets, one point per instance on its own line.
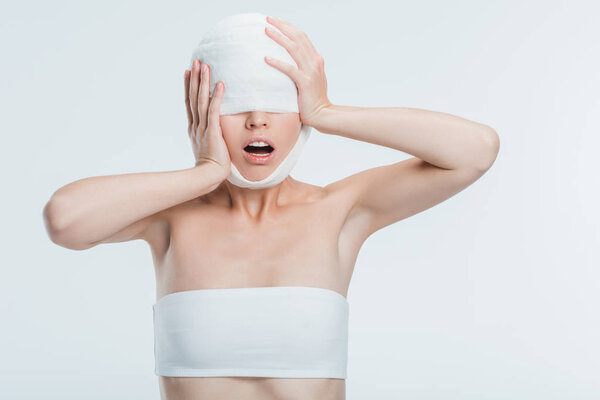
[259, 152]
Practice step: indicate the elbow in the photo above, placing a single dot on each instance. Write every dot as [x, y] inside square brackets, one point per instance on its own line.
[491, 147]
[53, 220]
[56, 226]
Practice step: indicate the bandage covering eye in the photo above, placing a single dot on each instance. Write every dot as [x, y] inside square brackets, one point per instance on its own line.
[235, 48]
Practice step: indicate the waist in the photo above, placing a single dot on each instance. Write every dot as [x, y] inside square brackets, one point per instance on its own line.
[272, 331]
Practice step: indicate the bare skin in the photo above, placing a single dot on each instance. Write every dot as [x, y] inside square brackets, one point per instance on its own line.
[216, 243]
[204, 232]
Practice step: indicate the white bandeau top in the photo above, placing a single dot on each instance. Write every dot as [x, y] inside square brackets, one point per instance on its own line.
[271, 331]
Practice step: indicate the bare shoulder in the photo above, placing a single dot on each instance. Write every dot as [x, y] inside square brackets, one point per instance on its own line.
[331, 195]
[380, 196]
[165, 219]
[156, 229]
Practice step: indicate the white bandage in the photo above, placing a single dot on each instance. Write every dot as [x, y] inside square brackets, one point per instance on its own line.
[235, 48]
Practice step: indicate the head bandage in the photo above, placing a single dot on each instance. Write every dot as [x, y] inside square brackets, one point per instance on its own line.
[235, 48]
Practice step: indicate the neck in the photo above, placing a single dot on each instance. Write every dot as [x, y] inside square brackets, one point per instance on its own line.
[256, 203]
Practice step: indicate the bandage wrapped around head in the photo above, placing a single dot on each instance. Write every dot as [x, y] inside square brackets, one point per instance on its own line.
[235, 48]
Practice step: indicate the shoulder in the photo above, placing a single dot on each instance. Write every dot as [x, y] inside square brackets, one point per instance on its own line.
[335, 200]
[159, 226]
[304, 193]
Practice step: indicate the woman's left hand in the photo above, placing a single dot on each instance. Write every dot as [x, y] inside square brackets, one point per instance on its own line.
[309, 75]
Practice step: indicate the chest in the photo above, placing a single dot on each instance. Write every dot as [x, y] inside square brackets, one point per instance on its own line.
[212, 247]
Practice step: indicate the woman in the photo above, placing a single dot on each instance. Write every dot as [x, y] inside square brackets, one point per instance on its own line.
[224, 248]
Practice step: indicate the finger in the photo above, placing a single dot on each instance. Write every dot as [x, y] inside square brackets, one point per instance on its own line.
[203, 95]
[285, 27]
[215, 103]
[194, 91]
[186, 84]
[290, 70]
[299, 53]
[309, 44]
[297, 36]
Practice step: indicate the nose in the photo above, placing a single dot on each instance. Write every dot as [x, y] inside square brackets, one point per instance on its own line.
[258, 120]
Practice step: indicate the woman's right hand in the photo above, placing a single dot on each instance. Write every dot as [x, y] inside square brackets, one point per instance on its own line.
[204, 127]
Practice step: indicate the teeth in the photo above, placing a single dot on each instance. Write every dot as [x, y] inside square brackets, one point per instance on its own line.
[259, 144]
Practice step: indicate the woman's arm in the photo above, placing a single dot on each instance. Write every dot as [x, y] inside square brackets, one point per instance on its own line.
[450, 154]
[117, 208]
[441, 139]
[89, 211]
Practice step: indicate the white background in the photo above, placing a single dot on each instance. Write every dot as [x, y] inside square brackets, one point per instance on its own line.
[490, 295]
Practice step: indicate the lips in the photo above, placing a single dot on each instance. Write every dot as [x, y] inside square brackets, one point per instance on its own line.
[259, 159]
[261, 155]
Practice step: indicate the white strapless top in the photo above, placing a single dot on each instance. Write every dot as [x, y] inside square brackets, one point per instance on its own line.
[271, 331]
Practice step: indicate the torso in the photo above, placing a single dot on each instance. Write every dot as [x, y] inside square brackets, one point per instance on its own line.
[308, 241]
